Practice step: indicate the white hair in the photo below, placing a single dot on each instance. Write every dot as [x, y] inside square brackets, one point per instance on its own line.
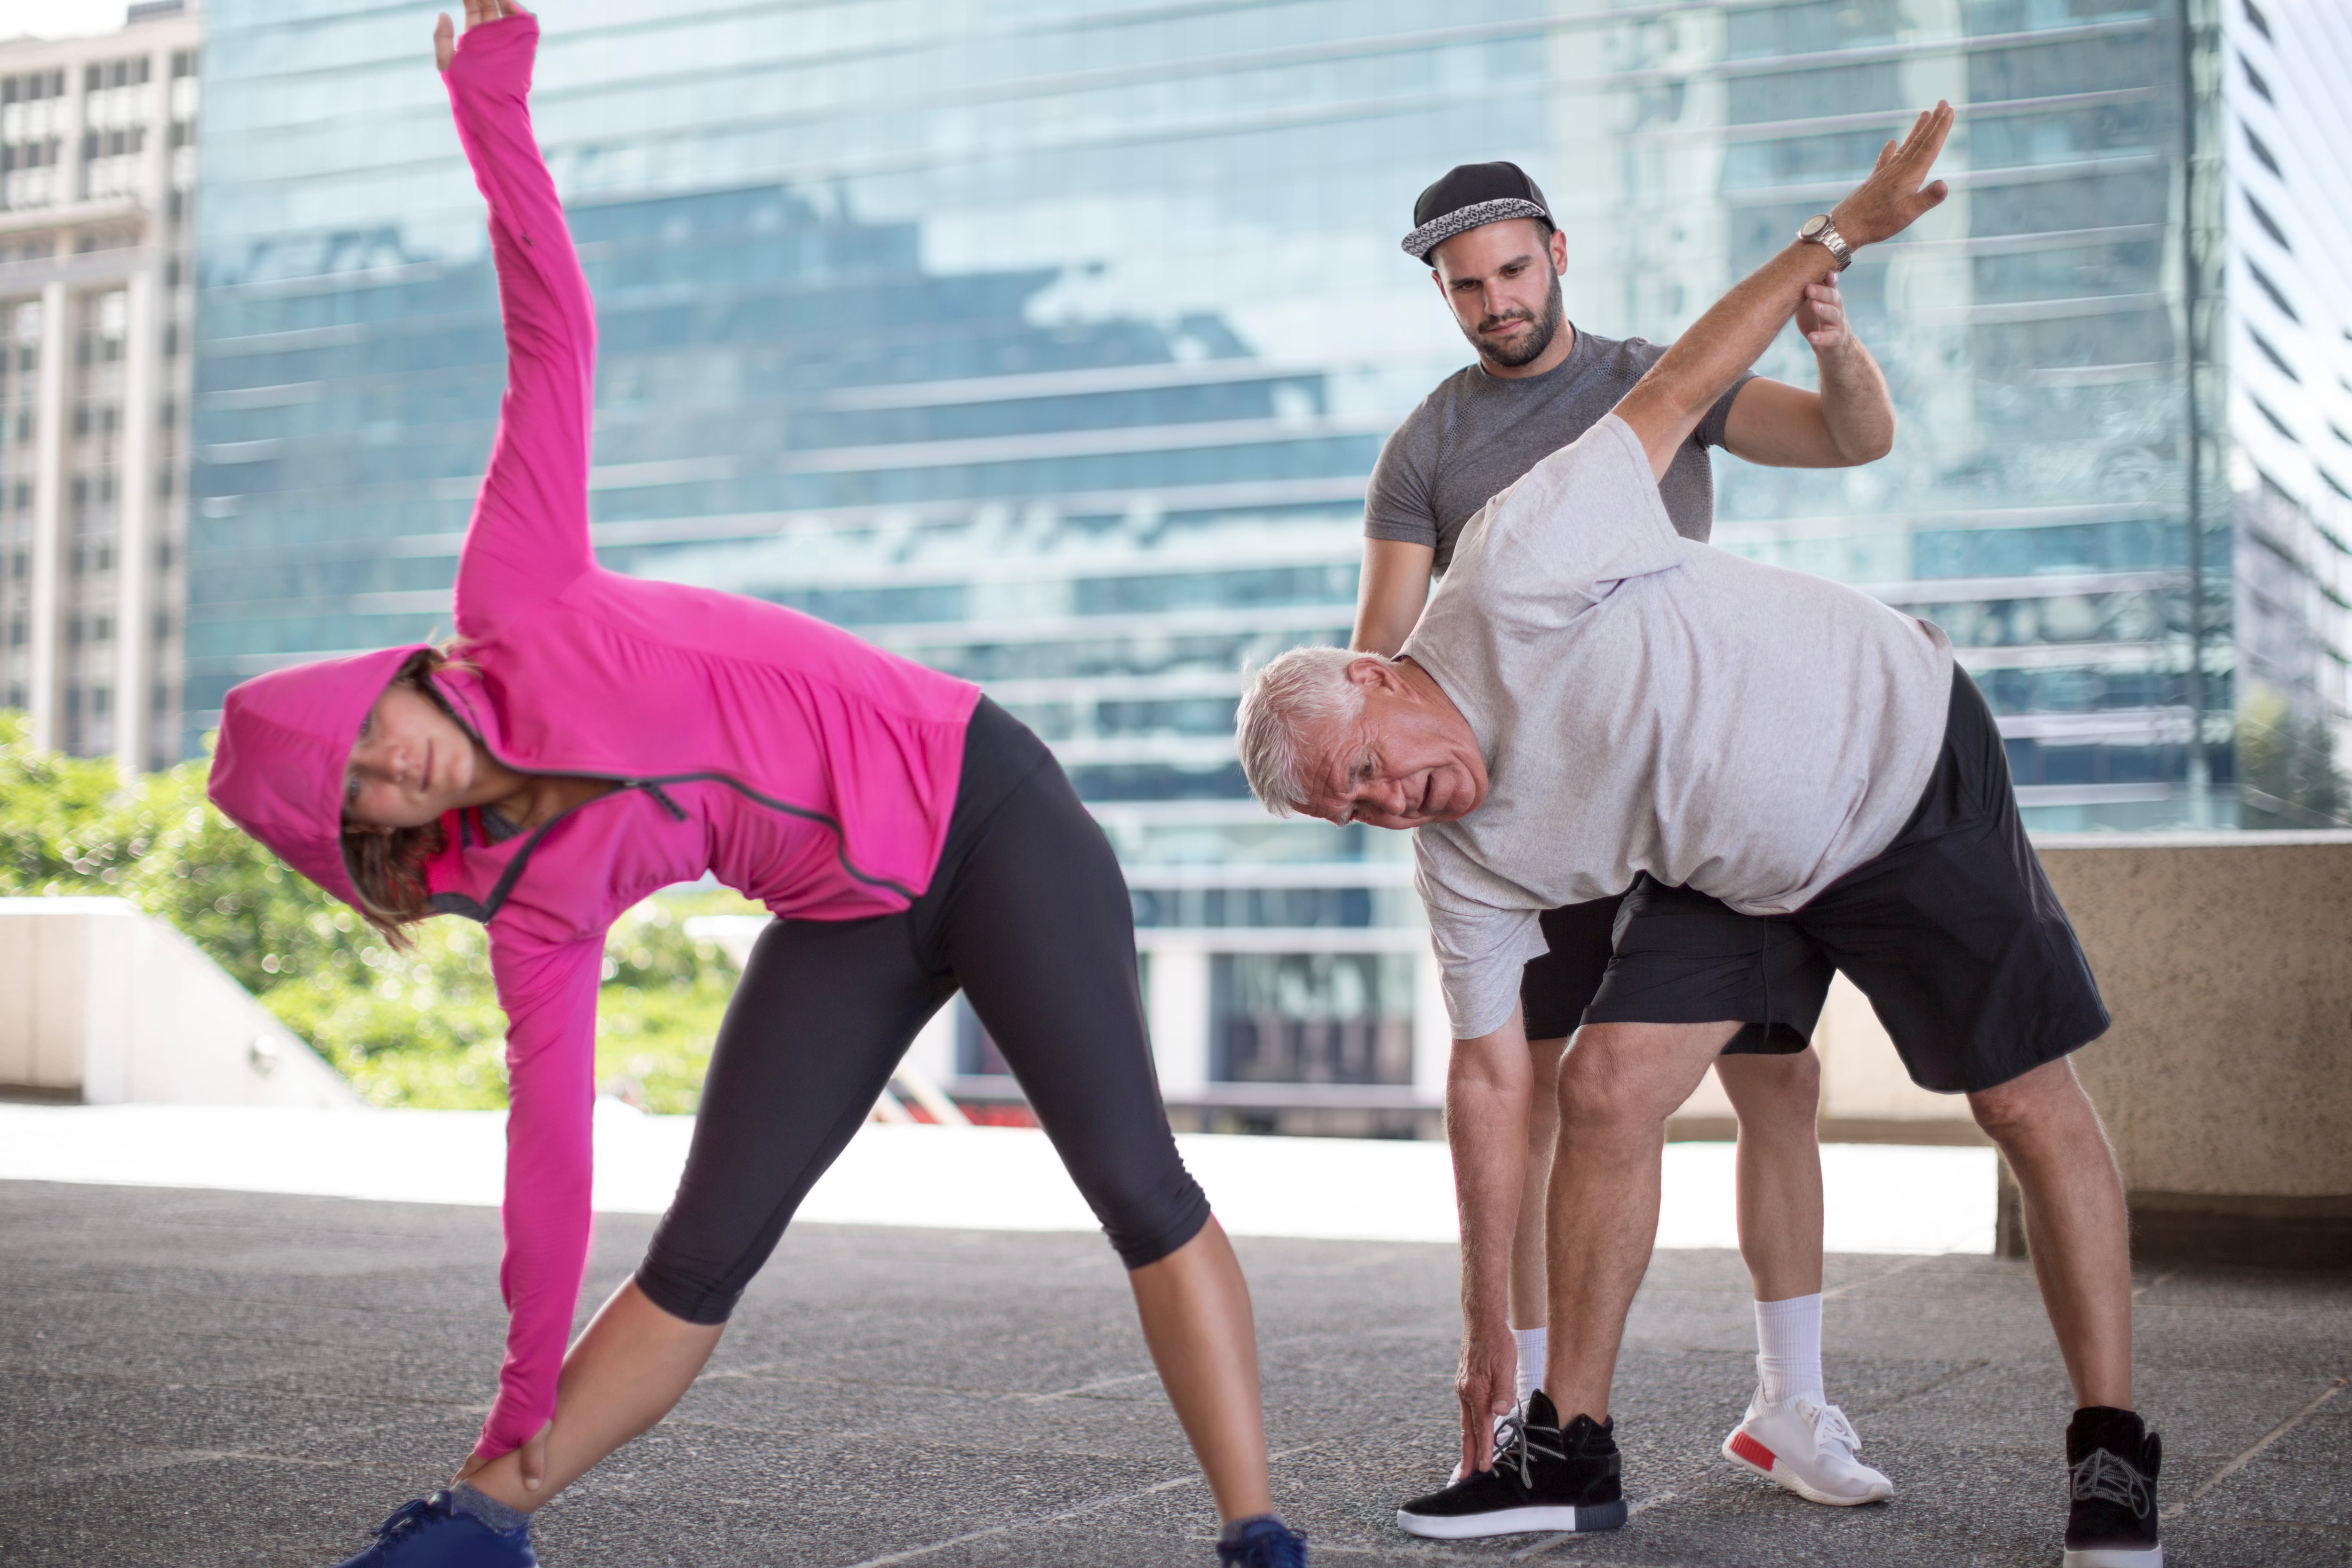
[1295, 694]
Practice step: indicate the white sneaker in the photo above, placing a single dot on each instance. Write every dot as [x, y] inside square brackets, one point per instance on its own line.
[1807, 1447]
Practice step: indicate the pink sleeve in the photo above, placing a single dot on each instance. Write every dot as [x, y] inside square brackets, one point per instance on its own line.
[549, 998]
[529, 537]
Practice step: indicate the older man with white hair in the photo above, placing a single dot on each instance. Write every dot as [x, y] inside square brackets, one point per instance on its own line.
[1787, 779]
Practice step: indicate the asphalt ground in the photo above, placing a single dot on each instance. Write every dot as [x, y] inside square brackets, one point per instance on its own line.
[193, 1377]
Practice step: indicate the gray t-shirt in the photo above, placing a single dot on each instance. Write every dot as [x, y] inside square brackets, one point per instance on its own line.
[1646, 703]
[1477, 434]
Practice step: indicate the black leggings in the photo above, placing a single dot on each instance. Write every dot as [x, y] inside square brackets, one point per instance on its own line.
[1029, 914]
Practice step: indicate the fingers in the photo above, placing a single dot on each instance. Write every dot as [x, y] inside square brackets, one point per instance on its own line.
[444, 42]
[533, 1458]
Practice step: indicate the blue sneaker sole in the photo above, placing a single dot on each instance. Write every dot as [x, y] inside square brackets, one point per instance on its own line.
[1514, 1521]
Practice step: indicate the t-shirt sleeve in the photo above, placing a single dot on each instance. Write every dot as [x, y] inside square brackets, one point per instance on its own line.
[1586, 515]
[1397, 503]
[1480, 950]
[1710, 431]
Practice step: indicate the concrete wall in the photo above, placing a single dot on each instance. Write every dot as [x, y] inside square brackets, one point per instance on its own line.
[2226, 1082]
[101, 1003]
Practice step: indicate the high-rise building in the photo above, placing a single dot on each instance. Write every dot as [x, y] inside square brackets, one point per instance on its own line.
[1052, 345]
[2274, 225]
[96, 182]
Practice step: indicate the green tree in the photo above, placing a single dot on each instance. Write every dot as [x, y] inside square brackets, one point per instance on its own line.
[418, 1028]
[2287, 775]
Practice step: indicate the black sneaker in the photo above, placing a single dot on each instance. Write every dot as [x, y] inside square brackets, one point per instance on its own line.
[2114, 1461]
[1544, 1479]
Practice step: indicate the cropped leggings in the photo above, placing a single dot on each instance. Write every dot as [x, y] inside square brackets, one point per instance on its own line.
[1028, 915]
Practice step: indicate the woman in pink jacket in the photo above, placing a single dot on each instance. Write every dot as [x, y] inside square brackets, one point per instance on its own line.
[593, 738]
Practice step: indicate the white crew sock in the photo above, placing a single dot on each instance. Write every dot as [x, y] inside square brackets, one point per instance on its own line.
[1531, 1359]
[1789, 1349]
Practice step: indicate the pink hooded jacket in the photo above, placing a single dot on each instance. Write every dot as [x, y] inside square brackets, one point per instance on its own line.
[804, 767]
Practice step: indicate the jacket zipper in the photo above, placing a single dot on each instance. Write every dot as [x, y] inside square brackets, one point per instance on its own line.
[652, 787]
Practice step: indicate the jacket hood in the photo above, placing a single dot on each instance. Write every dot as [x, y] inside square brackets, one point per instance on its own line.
[286, 739]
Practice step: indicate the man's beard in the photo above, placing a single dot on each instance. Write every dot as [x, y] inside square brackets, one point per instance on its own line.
[1529, 346]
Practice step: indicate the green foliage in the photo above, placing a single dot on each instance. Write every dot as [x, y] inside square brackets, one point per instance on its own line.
[2287, 775]
[418, 1028]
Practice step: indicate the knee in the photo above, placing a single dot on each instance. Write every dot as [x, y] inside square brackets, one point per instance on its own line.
[1602, 1081]
[1773, 1088]
[2017, 1110]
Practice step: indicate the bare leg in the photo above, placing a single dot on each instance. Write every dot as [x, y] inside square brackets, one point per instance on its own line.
[1197, 1320]
[1780, 1169]
[620, 1377]
[2077, 1225]
[1618, 1084]
[1528, 1285]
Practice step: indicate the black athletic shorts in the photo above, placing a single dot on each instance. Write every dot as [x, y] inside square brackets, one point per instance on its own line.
[1028, 914]
[1953, 932]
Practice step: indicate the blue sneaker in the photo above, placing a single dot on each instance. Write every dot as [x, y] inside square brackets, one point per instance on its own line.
[1265, 1543]
[429, 1533]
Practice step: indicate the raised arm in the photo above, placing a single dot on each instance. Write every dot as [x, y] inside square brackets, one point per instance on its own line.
[529, 537]
[1666, 405]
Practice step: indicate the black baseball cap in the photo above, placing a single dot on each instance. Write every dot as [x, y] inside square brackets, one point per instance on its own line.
[1467, 195]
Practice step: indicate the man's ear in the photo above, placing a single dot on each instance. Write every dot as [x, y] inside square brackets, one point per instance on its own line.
[1558, 248]
[1373, 673]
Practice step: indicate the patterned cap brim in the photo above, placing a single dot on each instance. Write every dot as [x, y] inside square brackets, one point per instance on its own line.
[1439, 229]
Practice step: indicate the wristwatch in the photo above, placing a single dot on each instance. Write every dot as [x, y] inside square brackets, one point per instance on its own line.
[1822, 232]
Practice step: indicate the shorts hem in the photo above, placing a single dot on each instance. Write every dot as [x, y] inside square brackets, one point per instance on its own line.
[2059, 1046]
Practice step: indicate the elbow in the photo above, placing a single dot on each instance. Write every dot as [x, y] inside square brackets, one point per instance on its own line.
[1869, 446]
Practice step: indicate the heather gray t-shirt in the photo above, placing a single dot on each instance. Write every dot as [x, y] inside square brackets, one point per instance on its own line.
[1646, 703]
[1477, 434]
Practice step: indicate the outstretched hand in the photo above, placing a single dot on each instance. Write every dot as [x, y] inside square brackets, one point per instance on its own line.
[445, 37]
[1893, 197]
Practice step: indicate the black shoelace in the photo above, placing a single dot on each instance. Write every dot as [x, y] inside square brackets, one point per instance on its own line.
[2104, 1476]
[1516, 1443]
[408, 1516]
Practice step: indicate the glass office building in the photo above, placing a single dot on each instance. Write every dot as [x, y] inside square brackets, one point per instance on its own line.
[1052, 343]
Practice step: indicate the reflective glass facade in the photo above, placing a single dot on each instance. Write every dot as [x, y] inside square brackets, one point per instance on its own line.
[1051, 342]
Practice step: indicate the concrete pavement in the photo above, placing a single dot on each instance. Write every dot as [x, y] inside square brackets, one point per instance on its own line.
[190, 1377]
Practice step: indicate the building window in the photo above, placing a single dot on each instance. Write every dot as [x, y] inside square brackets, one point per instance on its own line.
[2277, 424]
[2255, 79]
[2277, 296]
[1334, 1017]
[2261, 153]
[2272, 354]
[2253, 13]
[2270, 225]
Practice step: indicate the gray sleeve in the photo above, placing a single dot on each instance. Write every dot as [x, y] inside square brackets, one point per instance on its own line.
[1481, 952]
[1397, 503]
[1710, 431]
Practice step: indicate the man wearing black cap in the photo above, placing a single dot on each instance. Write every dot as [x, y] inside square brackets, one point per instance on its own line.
[1538, 383]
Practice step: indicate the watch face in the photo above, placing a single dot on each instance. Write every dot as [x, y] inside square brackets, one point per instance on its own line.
[1814, 227]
